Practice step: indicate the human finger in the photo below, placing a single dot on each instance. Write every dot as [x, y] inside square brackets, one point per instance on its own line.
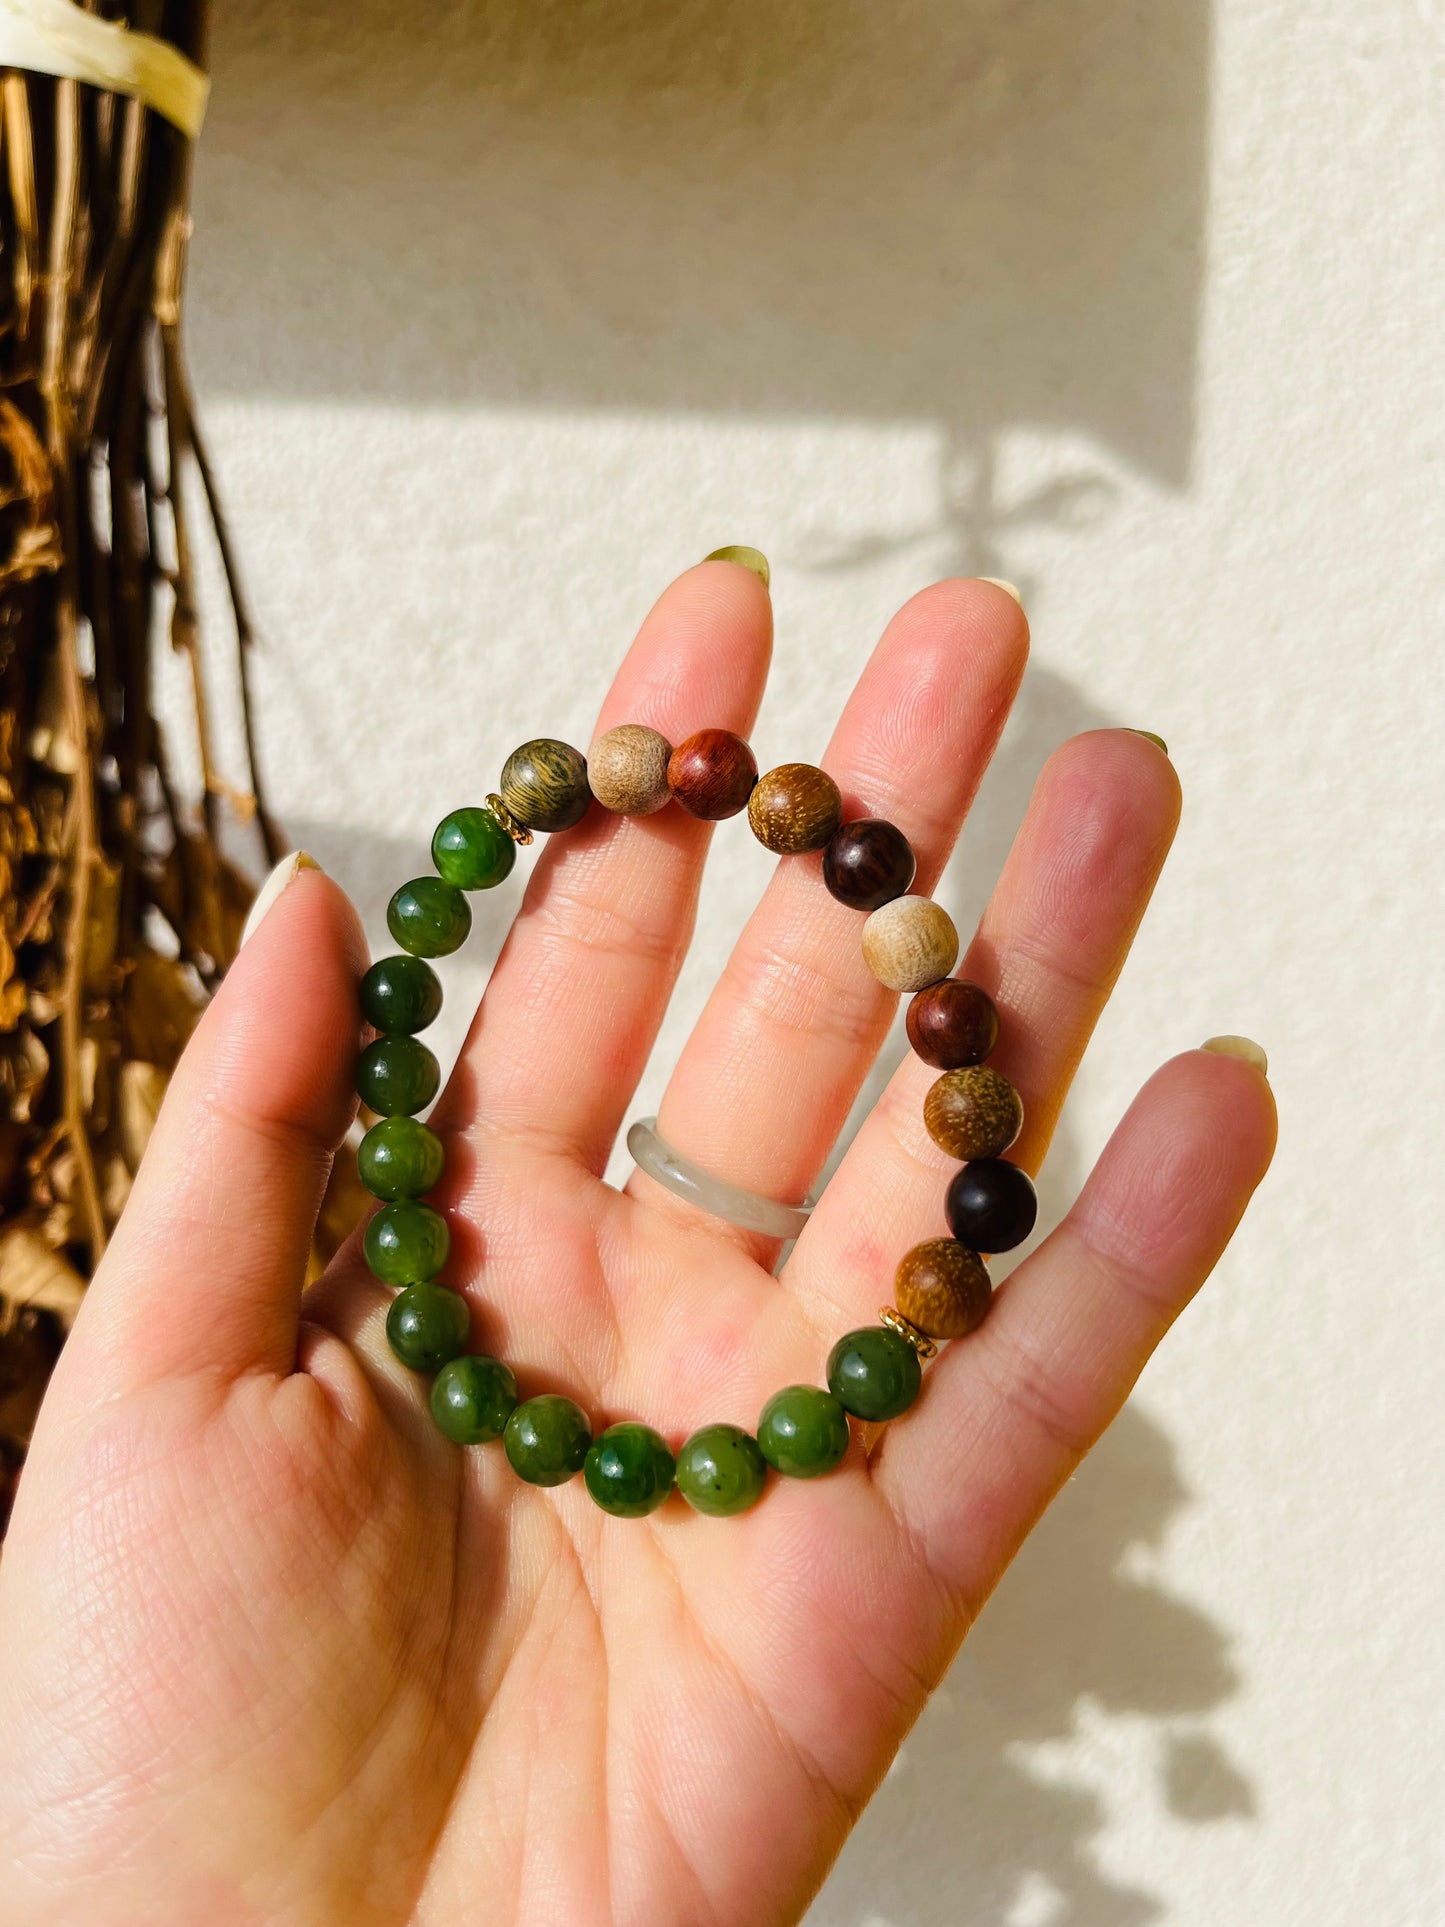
[581, 985]
[206, 1267]
[1008, 1412]
[765, 1082]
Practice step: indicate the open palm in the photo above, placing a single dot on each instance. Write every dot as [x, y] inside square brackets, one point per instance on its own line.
[273, 1650]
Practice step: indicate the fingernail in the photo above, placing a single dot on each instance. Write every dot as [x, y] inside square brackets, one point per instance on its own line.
[1009, 588]
[1244, 1048]
[1150, 737]
[753, 559]
[286, 871]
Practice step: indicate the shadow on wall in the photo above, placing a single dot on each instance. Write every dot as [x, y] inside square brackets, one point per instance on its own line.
[965, 1832]
[981, 216]
[965, 1829]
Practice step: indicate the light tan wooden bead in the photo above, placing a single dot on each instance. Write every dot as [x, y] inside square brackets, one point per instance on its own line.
[910, 943]
[627, 768]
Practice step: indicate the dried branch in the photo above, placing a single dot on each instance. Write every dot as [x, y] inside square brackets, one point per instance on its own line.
[118, 908]
[55, 392]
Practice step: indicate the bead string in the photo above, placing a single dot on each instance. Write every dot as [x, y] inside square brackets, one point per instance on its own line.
[942, 1286]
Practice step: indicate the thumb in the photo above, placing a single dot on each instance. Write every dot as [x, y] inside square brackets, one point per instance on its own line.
[205, 1271]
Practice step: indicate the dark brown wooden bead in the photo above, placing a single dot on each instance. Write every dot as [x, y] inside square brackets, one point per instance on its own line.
[712, 774]
[943, 1288]
[868, 864]
[794, 808]
[990, 1205]
[544, 784]
[952, 1024]
[973, 1112]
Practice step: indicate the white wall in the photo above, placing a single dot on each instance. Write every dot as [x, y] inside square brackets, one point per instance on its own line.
[503, 313]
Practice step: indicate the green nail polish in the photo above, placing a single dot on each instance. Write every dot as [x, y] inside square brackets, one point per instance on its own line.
[753, 559]
[1244, 1048]
[1150, 737]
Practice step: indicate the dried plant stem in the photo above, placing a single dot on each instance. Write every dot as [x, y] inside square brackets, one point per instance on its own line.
[118, 906]
[55, 389]
[179, 388]
[185, 623]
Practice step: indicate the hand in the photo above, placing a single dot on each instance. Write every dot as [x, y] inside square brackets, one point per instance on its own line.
[273, 1650]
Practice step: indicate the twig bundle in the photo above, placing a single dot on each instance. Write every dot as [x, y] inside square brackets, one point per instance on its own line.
[118, 911]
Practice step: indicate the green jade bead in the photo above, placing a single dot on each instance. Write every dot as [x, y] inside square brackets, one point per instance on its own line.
[427, 1326]
[407, 1243]
[397, 1075]
[399, 1158]
[803, 1432]
[400, 995]
[720, 1471]
[472, 851]
[429, 918]
[629, 1470]
[546, 1439]
[874, 1373]
[472, 1398]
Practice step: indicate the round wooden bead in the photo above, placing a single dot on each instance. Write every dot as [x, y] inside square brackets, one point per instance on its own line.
[909, 943]
[973, 1112]
[627, 770]
[868, 863]
[544, 784]
[943, 1288]
[990, 1205]
[794, 808]
[712, 774]
[952, 1024]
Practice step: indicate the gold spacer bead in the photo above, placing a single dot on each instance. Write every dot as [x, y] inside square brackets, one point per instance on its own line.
[518, 832]
[920, 1341]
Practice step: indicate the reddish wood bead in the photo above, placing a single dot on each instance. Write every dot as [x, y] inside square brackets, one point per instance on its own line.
[712, 774]
[952, 1024]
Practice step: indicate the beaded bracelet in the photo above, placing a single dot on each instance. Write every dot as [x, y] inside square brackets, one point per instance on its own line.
[910, 944]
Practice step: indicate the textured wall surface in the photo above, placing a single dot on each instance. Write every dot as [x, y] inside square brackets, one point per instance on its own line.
[504, 313]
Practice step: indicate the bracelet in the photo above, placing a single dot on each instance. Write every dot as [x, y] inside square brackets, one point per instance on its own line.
[942, 1286]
